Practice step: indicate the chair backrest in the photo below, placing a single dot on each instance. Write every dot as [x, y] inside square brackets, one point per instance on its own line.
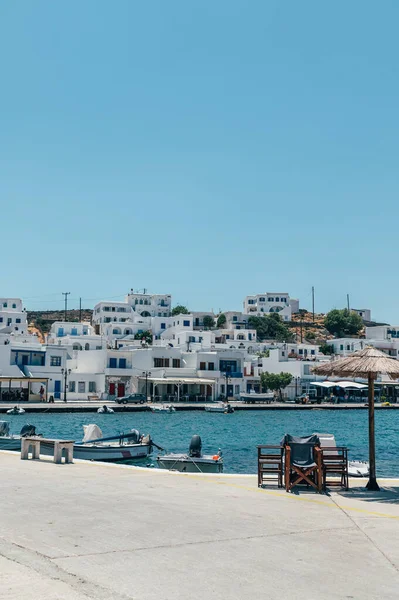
[328, 444]
[302, 449]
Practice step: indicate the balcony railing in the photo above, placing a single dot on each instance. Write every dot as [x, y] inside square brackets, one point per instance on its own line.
[235, 374]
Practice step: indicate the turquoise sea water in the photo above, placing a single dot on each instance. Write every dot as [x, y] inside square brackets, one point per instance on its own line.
[236, 434]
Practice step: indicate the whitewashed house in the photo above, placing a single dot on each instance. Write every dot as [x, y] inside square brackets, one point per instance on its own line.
[150, 305]
[12, 316]
[263, 304]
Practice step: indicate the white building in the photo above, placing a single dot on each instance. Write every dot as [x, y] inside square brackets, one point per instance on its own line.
[12, 316]
[364, 313]
[105, 313]
[263, 304]
[150, 305]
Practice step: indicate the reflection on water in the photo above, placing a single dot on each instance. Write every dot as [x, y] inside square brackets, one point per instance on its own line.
[236, 434]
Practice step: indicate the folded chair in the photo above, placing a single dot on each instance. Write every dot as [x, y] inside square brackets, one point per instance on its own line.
[303, 462]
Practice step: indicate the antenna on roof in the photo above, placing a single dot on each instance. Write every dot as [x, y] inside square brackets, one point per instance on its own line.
[313, 302]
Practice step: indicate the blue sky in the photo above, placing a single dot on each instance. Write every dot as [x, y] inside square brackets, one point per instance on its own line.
[205, 149]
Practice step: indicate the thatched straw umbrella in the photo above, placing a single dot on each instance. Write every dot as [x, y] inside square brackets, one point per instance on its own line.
[367, 364]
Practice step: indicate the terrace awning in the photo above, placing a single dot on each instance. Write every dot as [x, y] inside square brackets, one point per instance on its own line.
[342, 384]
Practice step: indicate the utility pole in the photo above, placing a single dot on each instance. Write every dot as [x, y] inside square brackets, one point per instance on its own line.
[66, 294]
[80, 310]
[347, 299]
[313, 302]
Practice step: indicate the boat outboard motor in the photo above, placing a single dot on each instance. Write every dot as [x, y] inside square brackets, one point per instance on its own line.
[4, 428]
[195, 447]
[28, 430]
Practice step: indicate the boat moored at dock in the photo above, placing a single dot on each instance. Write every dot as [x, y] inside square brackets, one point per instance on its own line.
[192, 462]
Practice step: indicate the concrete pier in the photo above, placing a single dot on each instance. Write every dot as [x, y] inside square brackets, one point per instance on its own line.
[93, 406]
[104, 532]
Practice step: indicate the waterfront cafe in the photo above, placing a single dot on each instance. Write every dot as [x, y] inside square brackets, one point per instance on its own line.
[352, 391]
[22, 389]
[345, 391]
[178, 389]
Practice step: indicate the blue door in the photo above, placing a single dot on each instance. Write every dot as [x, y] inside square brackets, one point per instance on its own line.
[57, 389]
[60, 332]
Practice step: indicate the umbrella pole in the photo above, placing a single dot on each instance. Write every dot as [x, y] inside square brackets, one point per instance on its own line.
[372, 483]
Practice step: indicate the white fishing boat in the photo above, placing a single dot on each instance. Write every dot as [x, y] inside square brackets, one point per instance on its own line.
[163, 408]
[114, 448]
[252, 397]
[192, 462]
[223, 407]
[122, 447]
[13, 442]
[105, 410]
[356, 468]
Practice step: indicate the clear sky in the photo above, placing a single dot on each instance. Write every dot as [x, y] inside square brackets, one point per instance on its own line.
[209, 150]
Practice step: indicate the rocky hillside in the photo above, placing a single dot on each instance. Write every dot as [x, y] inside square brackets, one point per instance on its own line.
[40, 321]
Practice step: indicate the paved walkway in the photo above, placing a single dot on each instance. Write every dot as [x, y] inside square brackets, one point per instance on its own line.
[90, 531]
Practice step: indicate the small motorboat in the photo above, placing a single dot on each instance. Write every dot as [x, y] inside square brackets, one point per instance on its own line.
[13, 442]
[163, 408]
[192, 462]
[118, 447]
[223, 407]
[17, 410]
[252, 397]
[105, 410]
[356, 468]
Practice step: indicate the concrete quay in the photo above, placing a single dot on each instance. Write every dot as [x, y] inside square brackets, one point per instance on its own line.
[90, 531]
[92, 406]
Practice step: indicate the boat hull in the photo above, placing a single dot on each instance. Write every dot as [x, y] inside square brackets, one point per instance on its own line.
[252, 398]
[184, 464]
[104, 452]
[10, 443]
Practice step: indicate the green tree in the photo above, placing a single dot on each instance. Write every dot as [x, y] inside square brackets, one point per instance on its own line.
[343, 323]
[145, 336]
[271, 327]
[209, 322]
[179, 310]
[221, 320]
[275, 382]
[326, 348]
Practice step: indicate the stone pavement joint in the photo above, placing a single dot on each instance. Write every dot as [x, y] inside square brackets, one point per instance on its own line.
[46, 568]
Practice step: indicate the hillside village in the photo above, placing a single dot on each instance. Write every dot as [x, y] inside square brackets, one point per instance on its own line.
[147, 345]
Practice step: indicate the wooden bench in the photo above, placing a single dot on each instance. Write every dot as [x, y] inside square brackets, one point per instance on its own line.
[59, 445]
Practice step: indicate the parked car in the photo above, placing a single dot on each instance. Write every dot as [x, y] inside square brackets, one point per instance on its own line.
[131, 399]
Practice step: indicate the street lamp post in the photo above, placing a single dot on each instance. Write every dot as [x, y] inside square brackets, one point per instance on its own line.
[179, 384]
[227, 383]
[65, 373]
[146, 374]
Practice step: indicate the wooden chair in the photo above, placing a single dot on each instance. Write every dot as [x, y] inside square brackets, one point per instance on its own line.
[335, 464]
[270, 464]
[303, 462]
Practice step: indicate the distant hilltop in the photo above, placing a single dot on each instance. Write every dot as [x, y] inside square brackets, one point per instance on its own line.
[40, 321]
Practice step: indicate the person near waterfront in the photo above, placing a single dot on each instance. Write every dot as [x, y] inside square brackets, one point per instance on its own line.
[41, 393]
